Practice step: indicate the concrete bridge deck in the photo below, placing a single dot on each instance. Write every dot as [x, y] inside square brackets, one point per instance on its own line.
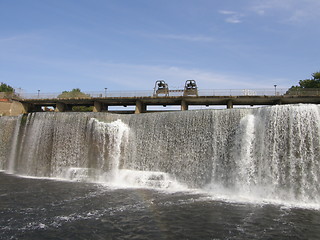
[102, 103]
[141, 100]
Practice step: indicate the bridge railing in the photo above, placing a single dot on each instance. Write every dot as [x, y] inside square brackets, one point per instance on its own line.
[201, 92]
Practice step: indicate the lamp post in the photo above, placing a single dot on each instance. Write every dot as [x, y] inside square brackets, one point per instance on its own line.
[105, 92]
[38, 93]
[275, 90]
[19, 91]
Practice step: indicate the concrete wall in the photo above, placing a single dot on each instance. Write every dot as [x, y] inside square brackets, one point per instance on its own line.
[11, 108]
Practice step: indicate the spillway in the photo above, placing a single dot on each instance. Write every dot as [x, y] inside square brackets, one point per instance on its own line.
[265, 153]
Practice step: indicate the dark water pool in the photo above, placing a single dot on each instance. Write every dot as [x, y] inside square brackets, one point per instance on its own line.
[47, 209]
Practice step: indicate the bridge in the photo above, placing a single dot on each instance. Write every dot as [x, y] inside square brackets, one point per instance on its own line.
[141, 100]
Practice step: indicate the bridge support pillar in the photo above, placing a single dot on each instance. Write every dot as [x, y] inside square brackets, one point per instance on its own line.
[184, 106]
[27, 107]
[13, 108]
[97, 107]
[229, 104]
[140, 107]
[60, 107]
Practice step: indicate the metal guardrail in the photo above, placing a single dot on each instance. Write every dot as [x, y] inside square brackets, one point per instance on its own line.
[201, 92]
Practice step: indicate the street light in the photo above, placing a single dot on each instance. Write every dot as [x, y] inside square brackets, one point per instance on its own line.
[38, 93]
[275, 90]
[105, 92]
[19, 90]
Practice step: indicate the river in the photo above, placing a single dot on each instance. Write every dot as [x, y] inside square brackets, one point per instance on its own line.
[53, 209]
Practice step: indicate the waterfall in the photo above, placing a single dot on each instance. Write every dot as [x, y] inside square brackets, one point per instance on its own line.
[109, 138]
[7, 133]
[243, 153]
[269, 153]
[14, 146]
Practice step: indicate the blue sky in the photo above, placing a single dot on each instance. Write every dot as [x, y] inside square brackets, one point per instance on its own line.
[57, 45]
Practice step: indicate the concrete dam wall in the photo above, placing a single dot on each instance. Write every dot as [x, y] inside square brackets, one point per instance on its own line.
[269, 153]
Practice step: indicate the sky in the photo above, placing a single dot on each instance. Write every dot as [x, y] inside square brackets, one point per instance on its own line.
[127, 45]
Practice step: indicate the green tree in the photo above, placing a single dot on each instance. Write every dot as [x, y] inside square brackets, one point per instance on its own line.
[316, 76]
[6, 88]
[74, 93]
[306, 84]
[82, 108]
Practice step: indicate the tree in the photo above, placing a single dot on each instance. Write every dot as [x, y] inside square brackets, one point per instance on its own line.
[316, 76]
[74, 93]
[82, 108]
[310, 83]
[6, 88]
[306, 84]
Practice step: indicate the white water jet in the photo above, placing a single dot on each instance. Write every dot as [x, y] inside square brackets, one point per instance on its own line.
[109, 137]
[244, 153]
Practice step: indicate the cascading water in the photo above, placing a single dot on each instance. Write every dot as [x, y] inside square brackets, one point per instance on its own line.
[113, 150]
[7, 133]
[14, 146]
[269, 153]
[109, 138]
[243, 151]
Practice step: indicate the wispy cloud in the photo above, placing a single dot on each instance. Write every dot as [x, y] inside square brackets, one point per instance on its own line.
[133, 76]
[289, 10]
[21, 38]
[172, 36]
[232, 17]
[190, 38]
[94, 75]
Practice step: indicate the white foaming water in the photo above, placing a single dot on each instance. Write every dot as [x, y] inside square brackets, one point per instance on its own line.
[146, 179]
[82, 174]
[244, 153]
[113, 138]
[256, 196]
[109, 138]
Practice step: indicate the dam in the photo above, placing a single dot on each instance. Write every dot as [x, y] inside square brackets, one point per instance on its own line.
[248, 173]
[271, 148]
